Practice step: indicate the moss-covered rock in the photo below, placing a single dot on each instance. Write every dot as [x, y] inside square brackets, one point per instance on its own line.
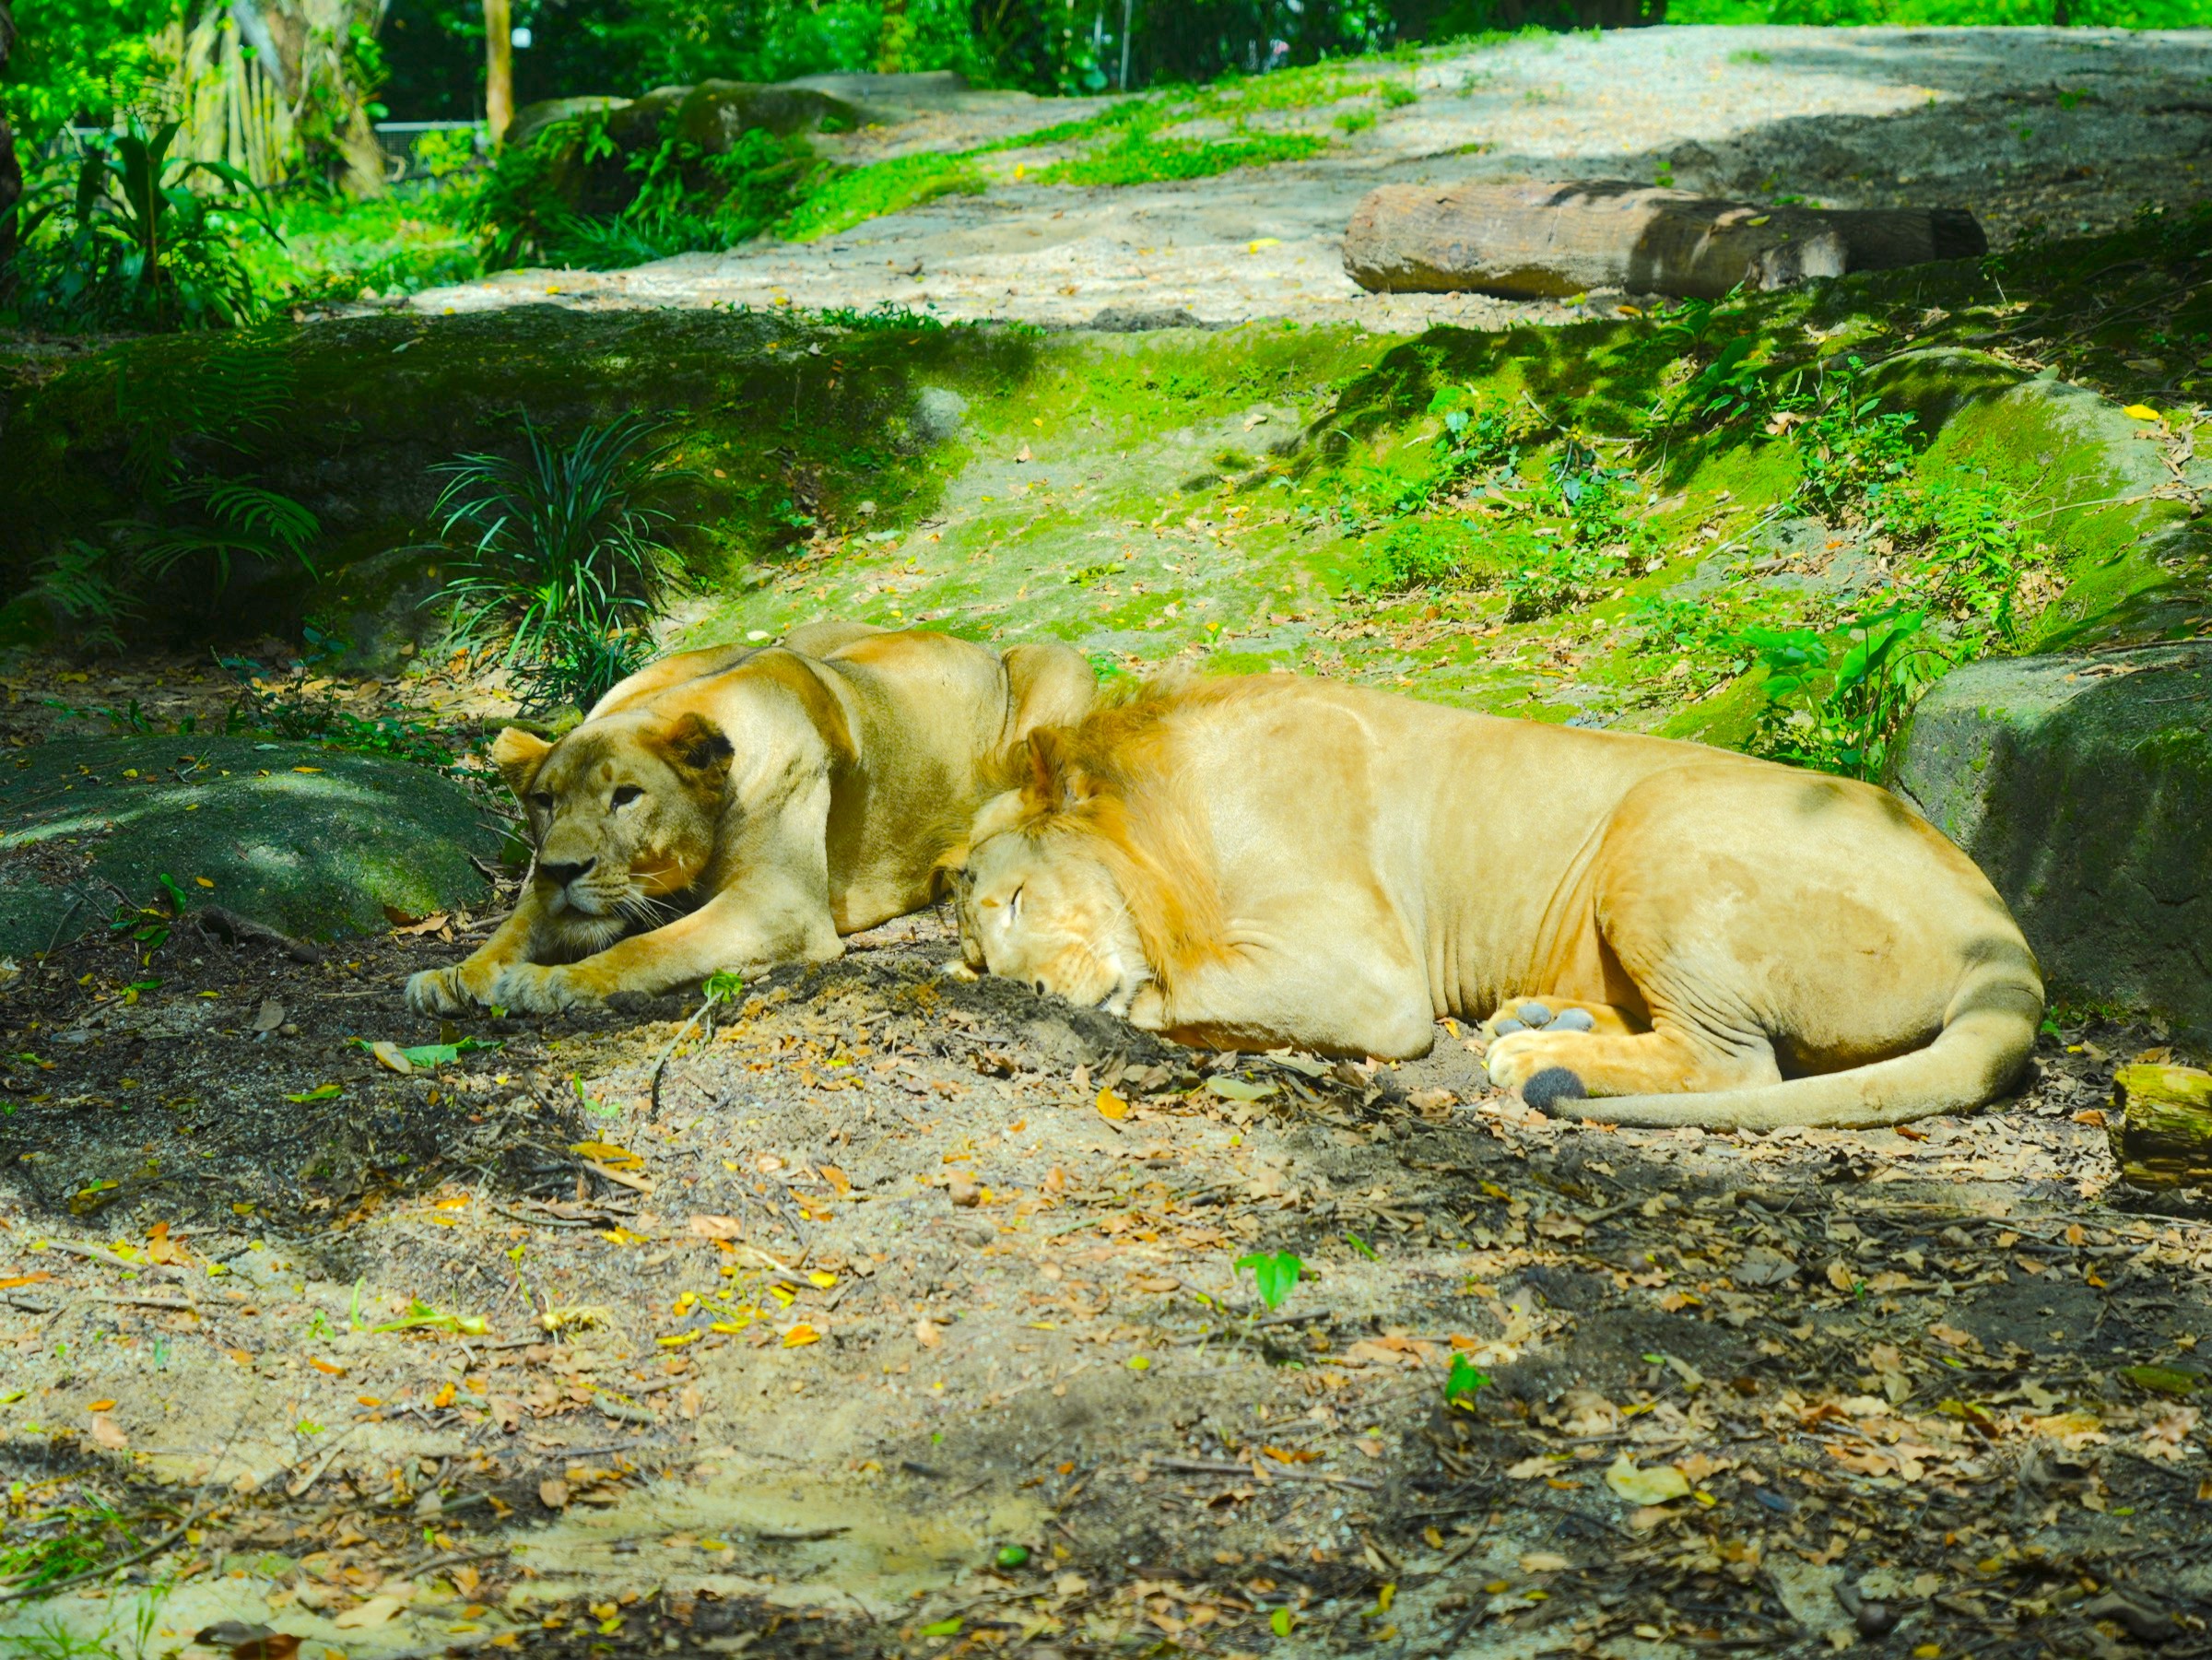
[378, 611]
[311, 842]
[2083, 786]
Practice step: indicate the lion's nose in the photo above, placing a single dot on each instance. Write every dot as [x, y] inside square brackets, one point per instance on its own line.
[560, 876]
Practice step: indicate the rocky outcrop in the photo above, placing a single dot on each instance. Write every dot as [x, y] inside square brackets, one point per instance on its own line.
[2083, 786]
[308, 840]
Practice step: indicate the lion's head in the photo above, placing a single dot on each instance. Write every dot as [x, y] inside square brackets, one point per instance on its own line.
[1049, 912]
[622, 811]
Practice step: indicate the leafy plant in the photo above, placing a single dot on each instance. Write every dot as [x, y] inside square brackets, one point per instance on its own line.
[1275, 1275]
[564, 552]
[1462, 1383]
[1852, 450]
[1848, 724]
[129, 239]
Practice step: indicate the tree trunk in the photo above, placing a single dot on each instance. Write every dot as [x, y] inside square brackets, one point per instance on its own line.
[498, 69]
[303, 44]
[11, 171]
[2161, 1125]
[1552, 240]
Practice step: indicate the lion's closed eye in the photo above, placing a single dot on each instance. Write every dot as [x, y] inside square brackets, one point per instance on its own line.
[542, 800]
[626, 794]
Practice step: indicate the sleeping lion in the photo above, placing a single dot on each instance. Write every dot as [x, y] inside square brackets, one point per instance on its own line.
[731, 809]
[1697, 936]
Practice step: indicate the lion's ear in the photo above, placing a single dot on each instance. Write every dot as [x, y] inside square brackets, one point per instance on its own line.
[518, 755]
[696, 747]
[1057, 780]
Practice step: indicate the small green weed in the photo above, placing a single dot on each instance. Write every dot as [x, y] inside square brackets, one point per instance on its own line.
[1275, 1275]
[1396, 95]
[1463, 1382]
[1354, 120]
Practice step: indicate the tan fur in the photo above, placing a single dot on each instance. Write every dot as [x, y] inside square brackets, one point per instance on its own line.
[754, 811]
[1246, 864]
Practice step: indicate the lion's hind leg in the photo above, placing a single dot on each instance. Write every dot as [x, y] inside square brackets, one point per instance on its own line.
[1548, 1066]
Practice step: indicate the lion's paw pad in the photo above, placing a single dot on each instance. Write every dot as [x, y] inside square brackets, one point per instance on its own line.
[1505, 1026]
[1574, 1019]
[1551, 1085]
[1534, 1014]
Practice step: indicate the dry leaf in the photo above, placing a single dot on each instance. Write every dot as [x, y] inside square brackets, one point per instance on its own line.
[108, 1432]
[799, 1335]
[269, 1016]
[716, 1227]
[1657, 1485]
[929, 1333]
[376, 1611]
[388, 1056]
[1111, 1105]
[275, 1646]
[963, 1191]
[1528, 1469]
[553, 1493]
[1544, 1561]
[1954, 1337]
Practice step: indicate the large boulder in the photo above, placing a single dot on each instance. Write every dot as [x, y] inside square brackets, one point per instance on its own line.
[2083, 786]
[309, 840]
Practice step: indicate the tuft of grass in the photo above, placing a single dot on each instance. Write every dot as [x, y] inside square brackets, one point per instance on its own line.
[1141, 159]
[853, 196]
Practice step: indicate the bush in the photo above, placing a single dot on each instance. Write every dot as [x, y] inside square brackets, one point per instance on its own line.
[563, 553]
[124, 239]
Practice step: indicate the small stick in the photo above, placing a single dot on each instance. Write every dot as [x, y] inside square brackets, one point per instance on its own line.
[1215, 1466]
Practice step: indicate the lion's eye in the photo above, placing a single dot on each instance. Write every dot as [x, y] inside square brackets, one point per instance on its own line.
[626, 794]
[543, 801]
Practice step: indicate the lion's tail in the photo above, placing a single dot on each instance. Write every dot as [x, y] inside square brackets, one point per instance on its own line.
[1988, 1033]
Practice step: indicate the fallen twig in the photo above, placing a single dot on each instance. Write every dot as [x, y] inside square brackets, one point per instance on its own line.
[1218, 1466]
[233, 929]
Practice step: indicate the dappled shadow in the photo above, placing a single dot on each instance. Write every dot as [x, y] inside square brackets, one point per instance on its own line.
[783, 424]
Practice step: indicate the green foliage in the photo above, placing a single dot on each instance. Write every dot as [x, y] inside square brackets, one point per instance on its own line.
[1851, 448]
[1142, 159]
[124, 239]
[681, 198]
[1418, 553]
[1464, 1382]
[1969, 553]
[1840, 714]
[844, 198]
[1275, 1275]
[334, 250]
[70, 1540]
[78, 57]
[562, 552]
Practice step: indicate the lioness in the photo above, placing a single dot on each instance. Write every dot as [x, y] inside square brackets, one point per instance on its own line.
[1706, 938]
[753, 810]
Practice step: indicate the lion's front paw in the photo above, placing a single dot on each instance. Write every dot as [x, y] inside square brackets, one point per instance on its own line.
[437, 991]
[530, 989]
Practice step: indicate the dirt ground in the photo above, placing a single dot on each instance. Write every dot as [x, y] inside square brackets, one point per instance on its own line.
[884, 1313]
[2070, 130]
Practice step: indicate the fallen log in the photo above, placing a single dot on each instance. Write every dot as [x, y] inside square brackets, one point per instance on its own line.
[2161, 1126]
[1549, 240]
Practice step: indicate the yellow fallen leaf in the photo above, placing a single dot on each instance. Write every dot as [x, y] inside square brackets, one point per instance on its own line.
[203, 881]
[328, 1368]
[2142, 412]
[822, 1279]
[388, 1055]
[376, 1611]
[1111, 1105]
[799, 1335]
[608, 1154]
[101, 1406]
[307, 769]
[1258, 242]
[678, 1340]
[1656, 1484]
